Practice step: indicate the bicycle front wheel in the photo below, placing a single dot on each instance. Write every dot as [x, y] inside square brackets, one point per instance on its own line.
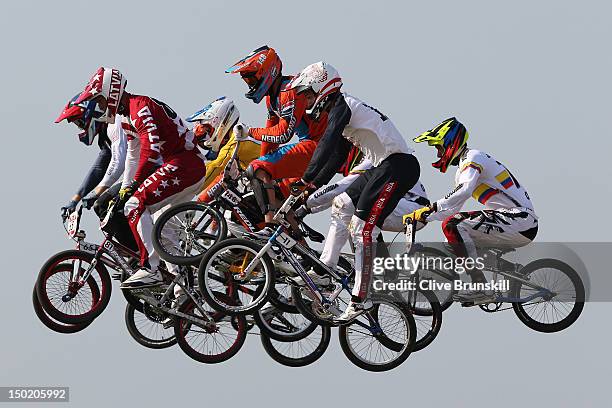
[183, 233]
[221, 271]
[298, 353]
[380, 339]
[554, 312]
[65, 295]
[52, 324]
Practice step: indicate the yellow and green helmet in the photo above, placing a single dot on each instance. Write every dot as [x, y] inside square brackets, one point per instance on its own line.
[450, 134]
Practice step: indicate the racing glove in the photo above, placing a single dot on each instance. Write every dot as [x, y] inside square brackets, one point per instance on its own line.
[89, 201]
[241, 132]
[300, 186]
[419, 215]
[68, 209]
[125, 194]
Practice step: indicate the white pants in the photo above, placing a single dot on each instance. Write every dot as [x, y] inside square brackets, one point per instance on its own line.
[344, 225]
[499, 228]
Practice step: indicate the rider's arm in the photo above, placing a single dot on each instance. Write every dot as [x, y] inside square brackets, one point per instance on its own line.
[95, 174]
[331, 143]
[453, 201]
[272, 120]
[131, 159]
[117, 162]
[215, 167]
[292, 108]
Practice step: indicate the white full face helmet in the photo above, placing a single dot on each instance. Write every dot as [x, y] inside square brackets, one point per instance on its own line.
[214, 123]
[322, 78]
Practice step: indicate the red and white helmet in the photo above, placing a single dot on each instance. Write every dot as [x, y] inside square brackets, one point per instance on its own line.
[108, 83]
[85, 116]
[321, 77]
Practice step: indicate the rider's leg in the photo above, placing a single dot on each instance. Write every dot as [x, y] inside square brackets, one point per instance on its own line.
[285, 162]
[469, 231]
[342, 211]
[384, 187]
[261, 190]
[172, 183]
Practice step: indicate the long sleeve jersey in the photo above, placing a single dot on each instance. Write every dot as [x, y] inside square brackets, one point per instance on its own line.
[161, 131]
[486, 180]
[353, 122]
[286, 117]
[249, 151]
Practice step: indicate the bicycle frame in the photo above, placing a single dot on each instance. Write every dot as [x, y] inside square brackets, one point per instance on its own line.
[541, 291]
[286, 245]
[108, 249]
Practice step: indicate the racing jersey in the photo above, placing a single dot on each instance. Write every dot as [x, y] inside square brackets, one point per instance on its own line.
[161, 131]
[490, 183]
[249, 151]
[125, 152]
[285, 118]
[363, 126]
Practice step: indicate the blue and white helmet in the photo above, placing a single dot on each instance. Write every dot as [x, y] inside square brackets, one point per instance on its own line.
[214, 123]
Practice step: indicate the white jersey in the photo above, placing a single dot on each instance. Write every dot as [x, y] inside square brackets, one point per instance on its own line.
[372, 132]
[125, 153]
[486, 180]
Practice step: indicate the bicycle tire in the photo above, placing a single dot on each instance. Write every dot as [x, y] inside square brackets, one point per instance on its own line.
[52, 324]
[139, 336]
[96, 308]
[404, 352]
[277, 355]
[260, 295]
[281, 330]
[167, 215]
[182, 328]
[523, 314]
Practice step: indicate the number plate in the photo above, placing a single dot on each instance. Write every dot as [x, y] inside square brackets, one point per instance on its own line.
[409, 237]
[231, 197]
[73, 224]
[285, 240]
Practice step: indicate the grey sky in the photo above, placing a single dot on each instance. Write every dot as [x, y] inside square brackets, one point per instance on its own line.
[529, 79]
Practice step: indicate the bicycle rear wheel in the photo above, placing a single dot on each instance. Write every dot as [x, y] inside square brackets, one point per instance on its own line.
[52, 324]
[283, 326]
[380, 339]
[65, 296]
[147, 328]
[560, 311]
[184, 232]
[429, 319]
[215, 344]
[298, 353]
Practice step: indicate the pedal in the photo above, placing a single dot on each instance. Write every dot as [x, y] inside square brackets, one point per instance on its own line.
[116, 276]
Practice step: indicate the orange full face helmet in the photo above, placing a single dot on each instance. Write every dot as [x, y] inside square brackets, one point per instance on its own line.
[259, 69]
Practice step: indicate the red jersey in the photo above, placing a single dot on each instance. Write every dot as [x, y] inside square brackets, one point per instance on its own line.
[286, 117]
[162, 133]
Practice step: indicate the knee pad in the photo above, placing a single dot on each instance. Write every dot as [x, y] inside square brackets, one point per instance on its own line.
[130, 205]
[342, 206]
[250, 172]
[259, 192]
